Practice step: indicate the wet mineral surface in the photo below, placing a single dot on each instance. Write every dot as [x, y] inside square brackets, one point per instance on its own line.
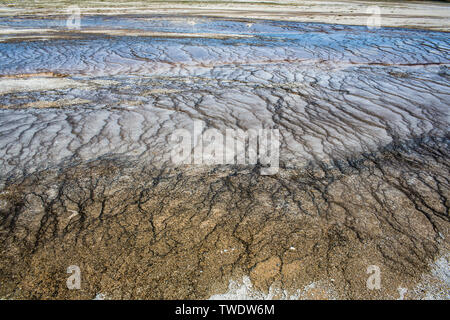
[86, 176]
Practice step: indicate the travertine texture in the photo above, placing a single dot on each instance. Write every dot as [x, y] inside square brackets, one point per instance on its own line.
[86, 176]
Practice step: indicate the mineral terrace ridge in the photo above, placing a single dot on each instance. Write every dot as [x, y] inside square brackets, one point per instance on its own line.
[86, 178]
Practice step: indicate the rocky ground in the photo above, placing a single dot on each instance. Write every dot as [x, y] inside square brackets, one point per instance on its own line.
[139, 232]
